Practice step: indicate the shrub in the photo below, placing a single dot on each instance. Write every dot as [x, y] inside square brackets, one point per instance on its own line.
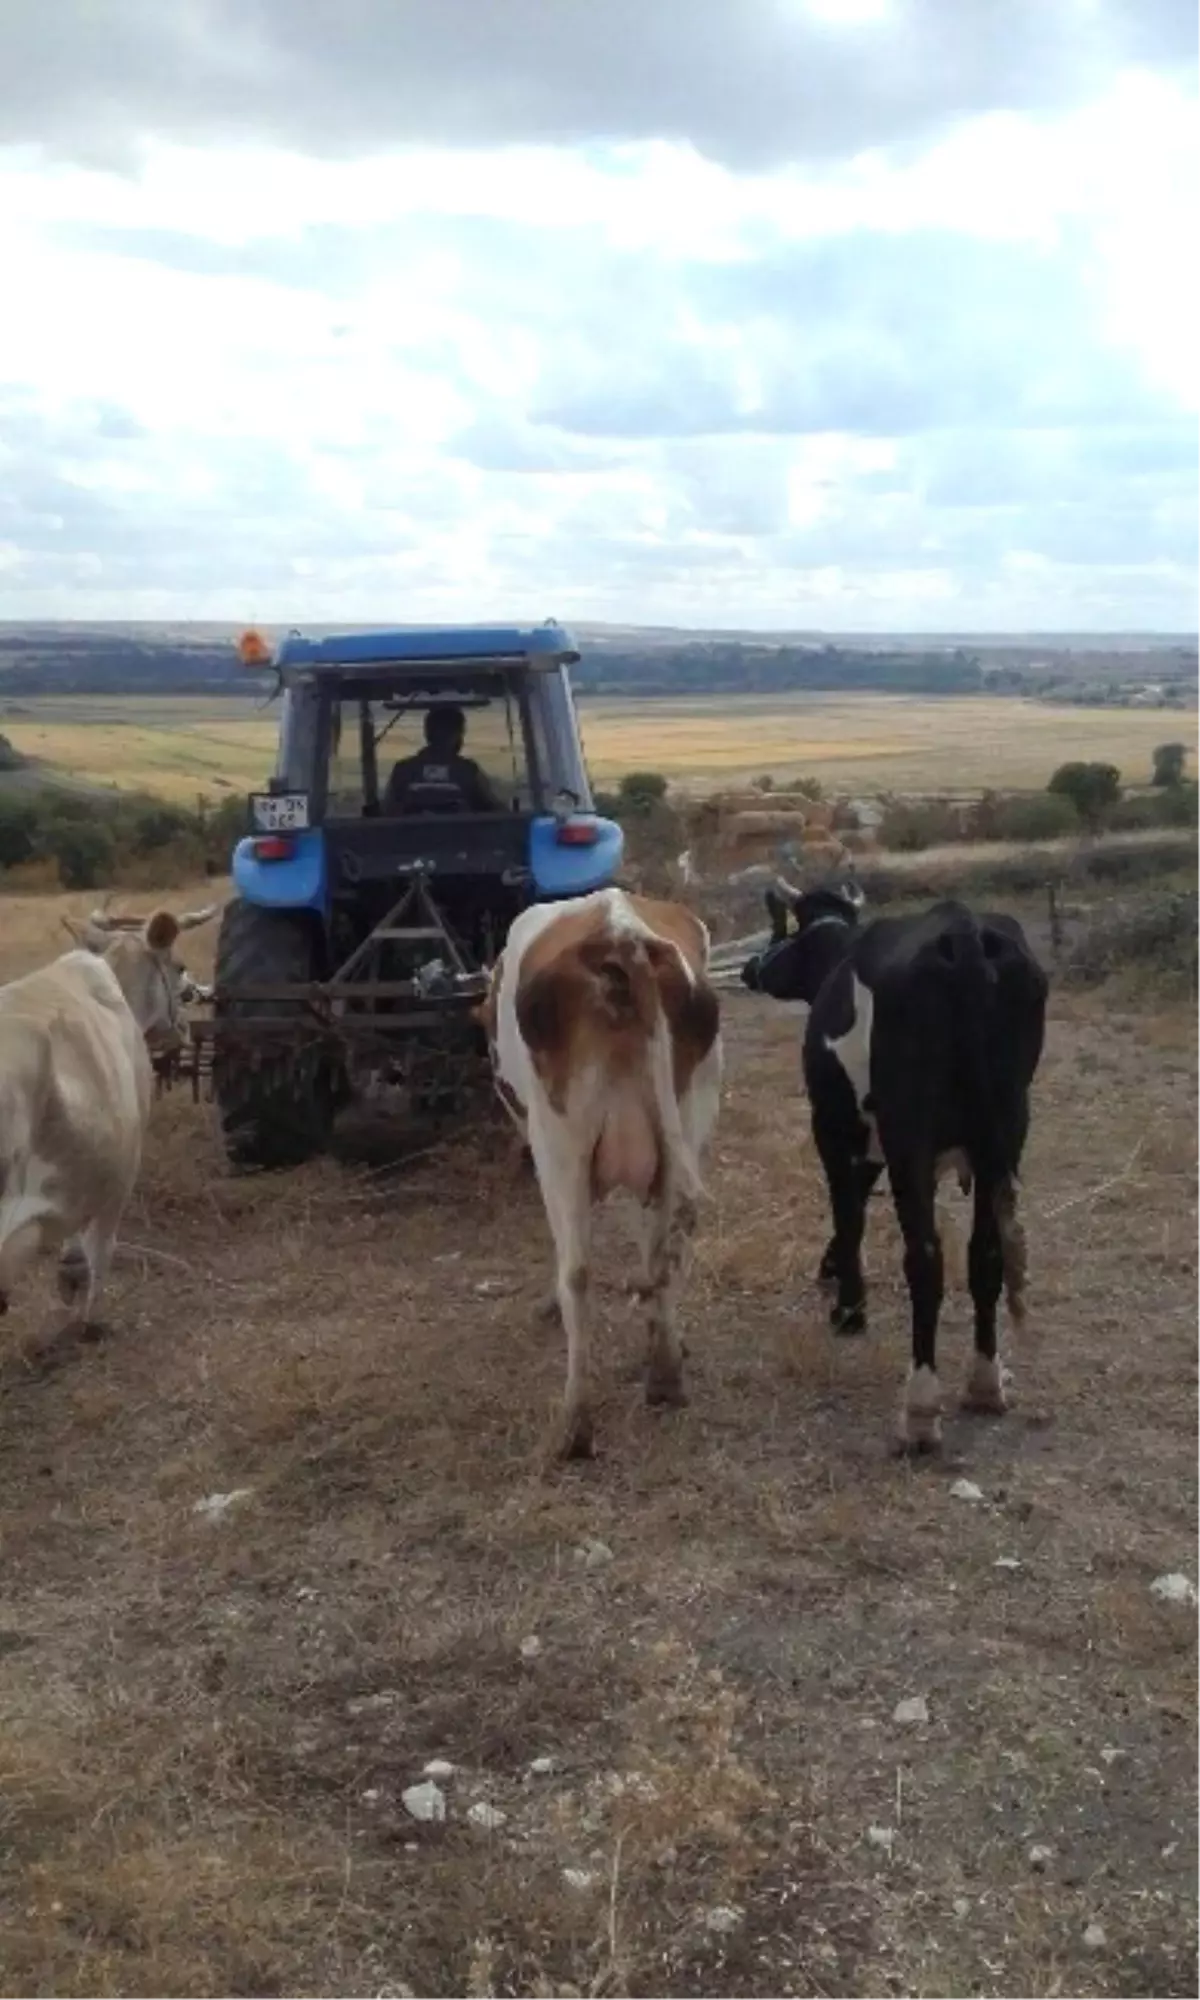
[155, 826]
[1180, 806]
[1032, 816]
[18, 832]
[906, 829]
[1170, 764]
[1156, 936]
[86, 853]
[86, 842]
[1093, 789]
[641, 790]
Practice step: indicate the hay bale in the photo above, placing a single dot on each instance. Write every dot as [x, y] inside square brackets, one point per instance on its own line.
[771, 825]
[820, 815]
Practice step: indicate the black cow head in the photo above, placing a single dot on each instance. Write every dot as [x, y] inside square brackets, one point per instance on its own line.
[795, 963]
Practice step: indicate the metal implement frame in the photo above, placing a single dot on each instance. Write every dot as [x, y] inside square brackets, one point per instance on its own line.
[343, 1011]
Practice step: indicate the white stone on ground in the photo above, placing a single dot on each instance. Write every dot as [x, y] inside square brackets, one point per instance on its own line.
[425, 1802]
[1174, 1588]
[487, 1816]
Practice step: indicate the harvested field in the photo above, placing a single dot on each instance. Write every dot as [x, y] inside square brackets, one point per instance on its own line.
[181, 746]
[206, 1724]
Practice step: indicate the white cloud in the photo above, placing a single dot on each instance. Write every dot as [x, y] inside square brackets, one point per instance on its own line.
[941, 372]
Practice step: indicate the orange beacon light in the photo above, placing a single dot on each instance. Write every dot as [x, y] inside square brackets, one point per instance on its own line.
[253, 650]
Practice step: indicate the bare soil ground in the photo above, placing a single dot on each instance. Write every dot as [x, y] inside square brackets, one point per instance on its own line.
[206, 1725]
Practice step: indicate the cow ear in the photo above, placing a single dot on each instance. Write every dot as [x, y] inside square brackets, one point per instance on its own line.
[161, 931]
[191, 918]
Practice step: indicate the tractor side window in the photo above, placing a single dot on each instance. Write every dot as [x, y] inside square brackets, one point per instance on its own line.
[346, 788]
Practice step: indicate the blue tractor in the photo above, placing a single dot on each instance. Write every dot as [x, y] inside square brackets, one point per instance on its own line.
[429, 784]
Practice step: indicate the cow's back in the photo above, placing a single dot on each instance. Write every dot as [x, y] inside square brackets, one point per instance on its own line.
[75, 1081]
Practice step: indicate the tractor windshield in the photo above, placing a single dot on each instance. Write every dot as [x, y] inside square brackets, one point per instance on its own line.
[413, 754]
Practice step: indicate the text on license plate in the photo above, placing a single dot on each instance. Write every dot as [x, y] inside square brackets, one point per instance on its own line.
[283, 812]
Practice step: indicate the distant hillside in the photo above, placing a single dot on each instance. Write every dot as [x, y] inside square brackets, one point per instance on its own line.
[92, 660]
[38, 660]
[82, 659]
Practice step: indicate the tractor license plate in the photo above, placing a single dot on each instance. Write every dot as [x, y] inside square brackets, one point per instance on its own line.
[279, 812]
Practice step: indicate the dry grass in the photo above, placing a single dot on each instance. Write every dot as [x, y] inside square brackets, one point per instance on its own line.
[205, 1729]
[180, 747]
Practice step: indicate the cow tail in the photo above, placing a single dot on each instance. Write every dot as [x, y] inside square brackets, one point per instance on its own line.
[973, 990]
[631, 1000]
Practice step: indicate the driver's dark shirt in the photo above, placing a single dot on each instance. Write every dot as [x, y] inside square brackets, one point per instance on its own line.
[430, 767]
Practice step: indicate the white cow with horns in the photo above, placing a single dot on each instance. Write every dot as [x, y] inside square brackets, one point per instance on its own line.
[76, 1042]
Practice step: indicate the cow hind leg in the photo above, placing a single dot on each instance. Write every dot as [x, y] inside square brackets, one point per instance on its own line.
[984, 1390]
[82, 1271]
[668, 1225]
[566, 1192]
[850, 1183]
[74, 1277]
[827, 1268]
[17, 1251]
[919, 1428]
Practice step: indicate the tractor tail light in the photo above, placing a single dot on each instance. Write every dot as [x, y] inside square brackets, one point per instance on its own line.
[274, 847]
[576, 833]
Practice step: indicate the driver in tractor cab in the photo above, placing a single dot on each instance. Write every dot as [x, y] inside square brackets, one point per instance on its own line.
[439, 779]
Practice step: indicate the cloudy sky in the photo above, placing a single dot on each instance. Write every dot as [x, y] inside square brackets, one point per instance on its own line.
[855, 314]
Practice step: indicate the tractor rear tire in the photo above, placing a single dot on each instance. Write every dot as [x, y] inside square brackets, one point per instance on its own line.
[276, 1105]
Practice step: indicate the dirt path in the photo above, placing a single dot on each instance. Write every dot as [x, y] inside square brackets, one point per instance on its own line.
[206, 1726]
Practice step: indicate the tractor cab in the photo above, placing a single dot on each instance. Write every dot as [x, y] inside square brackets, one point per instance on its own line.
[428, 785]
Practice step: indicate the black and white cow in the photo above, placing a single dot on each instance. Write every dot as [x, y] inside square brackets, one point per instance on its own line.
[922, 1041]
[919, 1055]
[794, 964]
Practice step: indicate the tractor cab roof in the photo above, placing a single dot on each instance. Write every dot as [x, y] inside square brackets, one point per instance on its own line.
[445, 649]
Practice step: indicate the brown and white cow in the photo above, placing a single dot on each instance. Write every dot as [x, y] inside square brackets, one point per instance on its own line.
[605, 1039]
[76, 1039]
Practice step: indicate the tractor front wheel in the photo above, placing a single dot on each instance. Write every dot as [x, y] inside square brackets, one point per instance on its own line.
[276, 1103]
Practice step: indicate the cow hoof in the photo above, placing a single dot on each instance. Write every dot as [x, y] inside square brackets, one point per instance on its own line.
[919, 1430]
[848, 1319]
[665, 1390]
[912, 1442]
[95, 1330]
[577, 1438]
[984, 1392]
[547, 1311]
[72, 1280]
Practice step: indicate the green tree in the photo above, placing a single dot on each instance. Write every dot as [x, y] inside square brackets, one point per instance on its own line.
[1170, 764]
[86, 855]
[18, 832]
[1093, 789]
[641, 791]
